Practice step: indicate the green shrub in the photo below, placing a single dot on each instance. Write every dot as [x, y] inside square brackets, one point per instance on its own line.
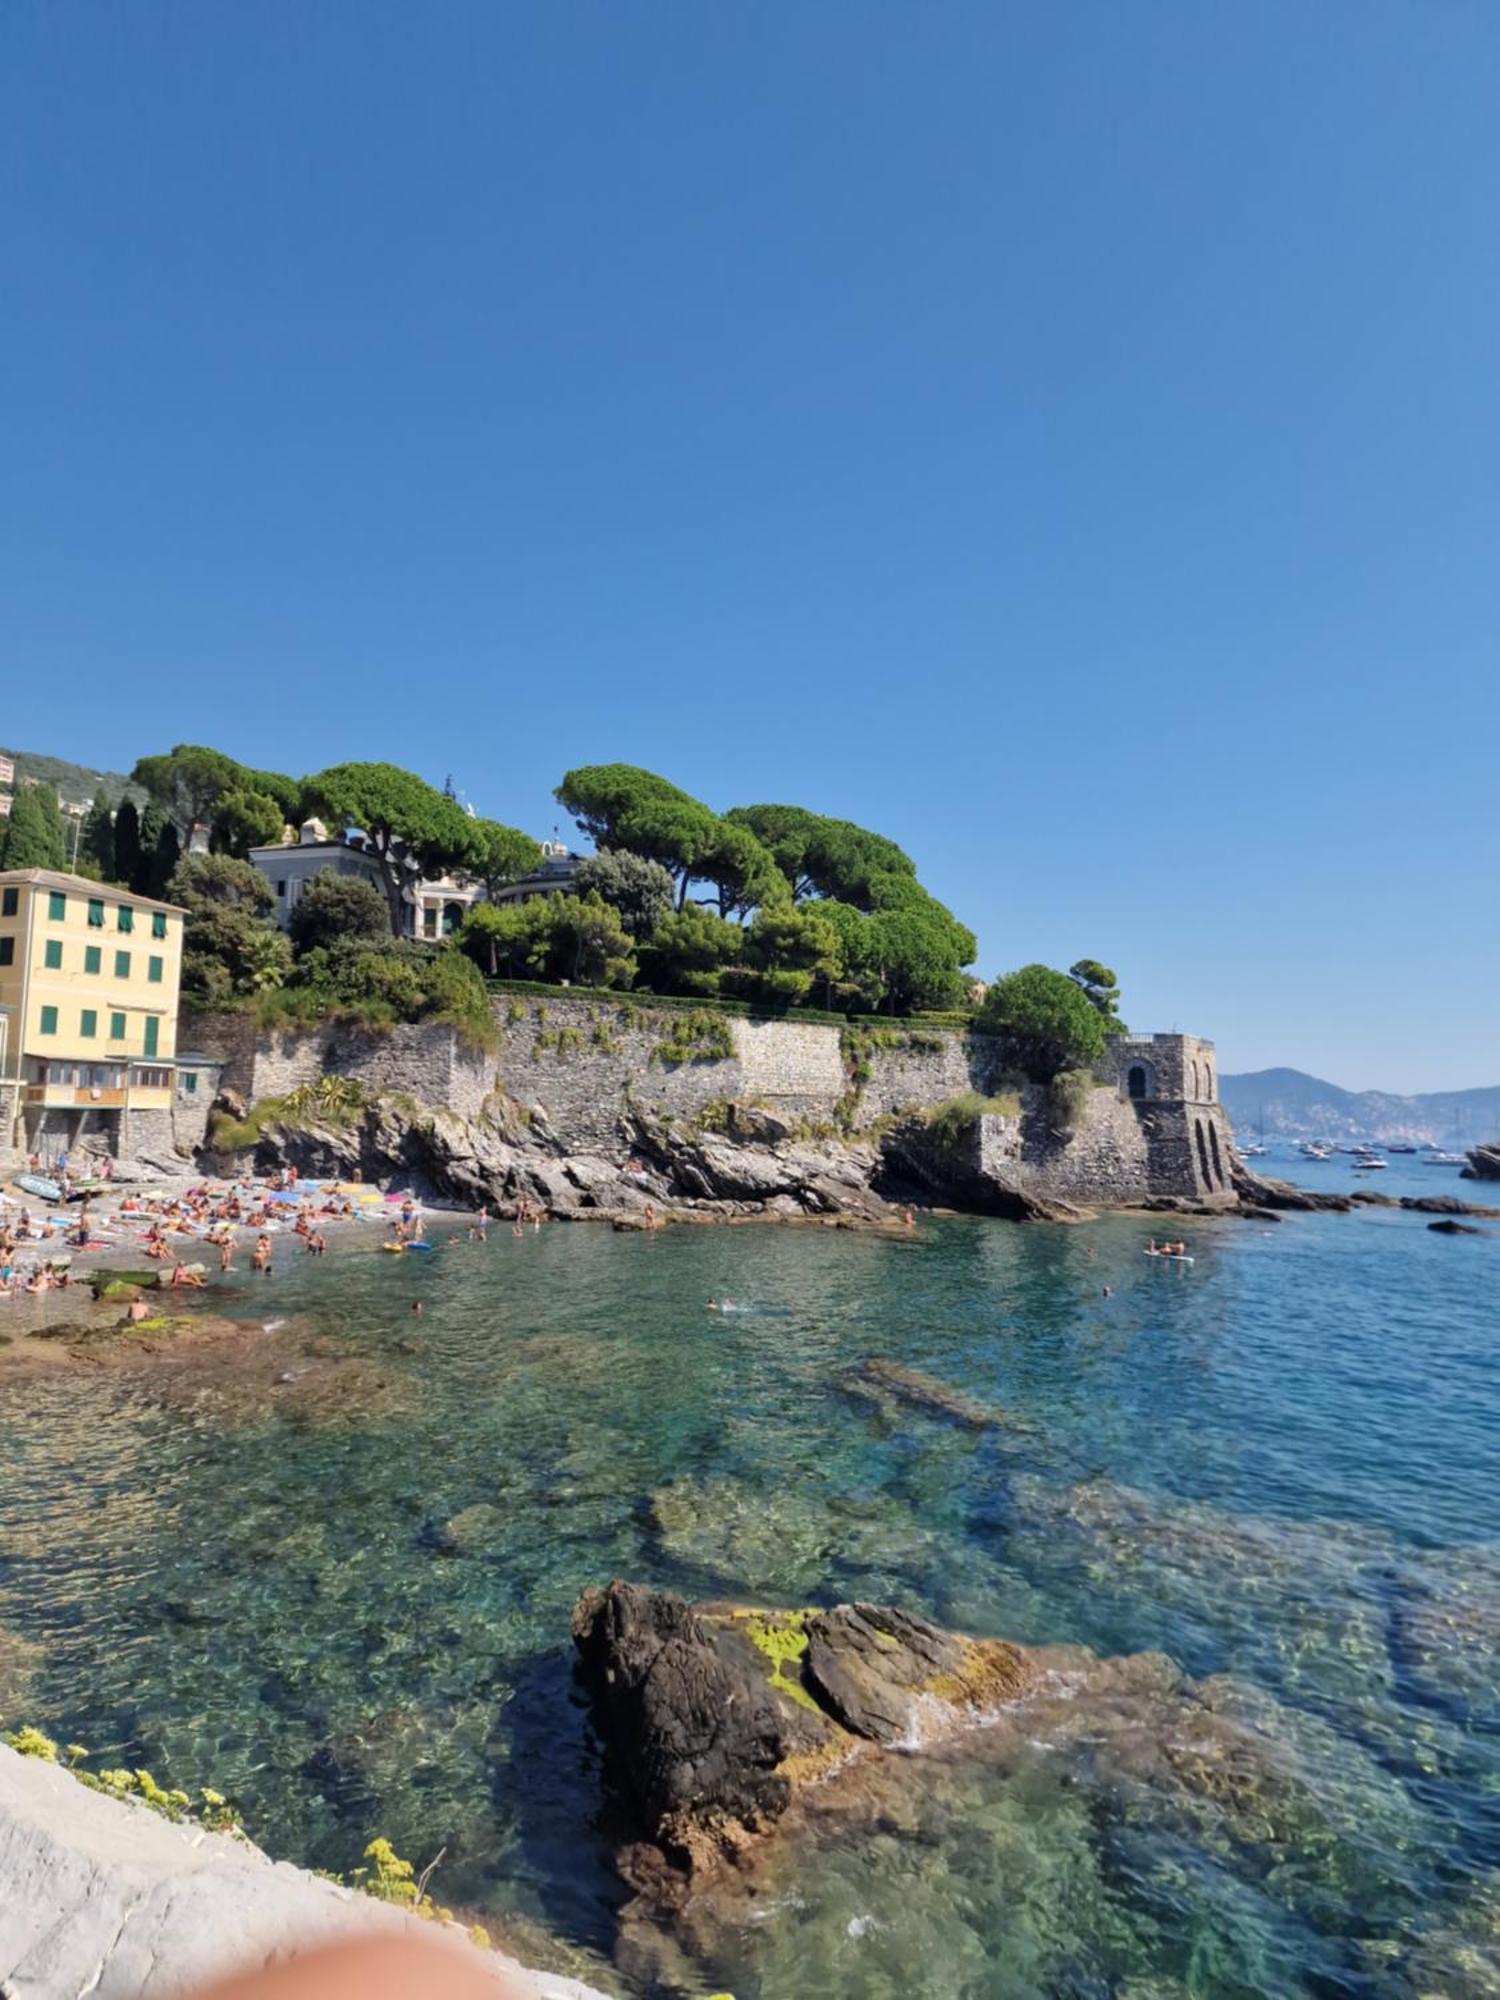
[1069, 1096]
[955, 1117]
[700, 1037]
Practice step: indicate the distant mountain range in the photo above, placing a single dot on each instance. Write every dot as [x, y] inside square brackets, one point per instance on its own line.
[1292, 1105]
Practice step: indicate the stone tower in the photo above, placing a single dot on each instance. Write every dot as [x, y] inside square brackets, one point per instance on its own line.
[1172, 1083]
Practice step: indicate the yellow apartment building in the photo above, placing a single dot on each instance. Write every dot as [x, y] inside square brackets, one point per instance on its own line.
[88, 1015]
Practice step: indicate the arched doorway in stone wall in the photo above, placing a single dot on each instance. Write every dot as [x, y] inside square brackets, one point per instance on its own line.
[1139, 1082]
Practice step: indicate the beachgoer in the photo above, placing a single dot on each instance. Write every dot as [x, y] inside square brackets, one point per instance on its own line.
[416, 1306]
[226, 1254]
[261, 1259]
[137, 1309]
[1106, 1292]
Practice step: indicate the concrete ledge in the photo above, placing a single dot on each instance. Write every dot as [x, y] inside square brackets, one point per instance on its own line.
[109, 1899]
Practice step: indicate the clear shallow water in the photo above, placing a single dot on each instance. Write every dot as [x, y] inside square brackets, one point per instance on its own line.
[1281, 1465]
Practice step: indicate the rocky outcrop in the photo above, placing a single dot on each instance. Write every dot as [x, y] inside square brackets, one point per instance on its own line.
[713, 1719]
[1259, 1191]
[920, 1161]
[1484, 1163]
[104, 1897]
[756, 1167]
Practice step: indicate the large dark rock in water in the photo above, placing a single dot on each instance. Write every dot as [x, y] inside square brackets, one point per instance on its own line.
[1484, 1163]
[713, 1718]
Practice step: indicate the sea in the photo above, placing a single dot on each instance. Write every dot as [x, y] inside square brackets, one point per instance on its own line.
[1267, 1482]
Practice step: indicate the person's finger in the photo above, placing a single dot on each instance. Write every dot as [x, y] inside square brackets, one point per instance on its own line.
[370, 1968]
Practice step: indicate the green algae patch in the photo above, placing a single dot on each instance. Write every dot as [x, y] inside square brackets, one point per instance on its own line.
[108, 1284]
[782, 1638]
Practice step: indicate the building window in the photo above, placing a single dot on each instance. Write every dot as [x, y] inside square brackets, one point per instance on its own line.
[190, 1082]
[96, 913]
[158, 923]
[57, 906]
[122, 965]
[93, 958]
[88, 1023]
[49, 1020]
[52, 956]
[152, 1025]
[124, 918]
[1135, 1083]
[9, 902]
[281, 889]
[7, 951]
[117, 1027]
[153, 971]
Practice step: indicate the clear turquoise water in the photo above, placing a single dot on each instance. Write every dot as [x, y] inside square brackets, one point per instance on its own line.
[1281, 1465]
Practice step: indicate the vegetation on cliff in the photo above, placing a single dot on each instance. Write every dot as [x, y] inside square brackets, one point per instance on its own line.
[770, 906]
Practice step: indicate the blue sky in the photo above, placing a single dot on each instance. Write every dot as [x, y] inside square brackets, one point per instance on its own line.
[1065, 437]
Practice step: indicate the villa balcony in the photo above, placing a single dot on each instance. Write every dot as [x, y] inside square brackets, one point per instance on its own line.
[77, 1096]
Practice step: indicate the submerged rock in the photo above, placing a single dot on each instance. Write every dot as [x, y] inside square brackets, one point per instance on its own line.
[877, 1380]
[20, 1661]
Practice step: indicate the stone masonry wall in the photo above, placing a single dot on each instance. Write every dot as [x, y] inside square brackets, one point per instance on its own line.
[584, 1062]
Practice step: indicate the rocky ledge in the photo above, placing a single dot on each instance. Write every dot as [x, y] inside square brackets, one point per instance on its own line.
[104, 1897]
[1484, 1163]
[751, 1165]
[715, 1719]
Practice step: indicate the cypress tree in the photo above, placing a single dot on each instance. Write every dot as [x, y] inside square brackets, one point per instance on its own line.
[164, 860]
[34, 831]
[154, 823]
[127, 843]
[97, 841]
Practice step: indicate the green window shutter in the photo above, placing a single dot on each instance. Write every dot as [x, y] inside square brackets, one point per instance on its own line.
[153, 971]
[190, 1082]
[7, 951]
[122, 965]
[57, 906]
[10, 902]
[117, 1027]
[96, 913]
[152, 1025]
[158, 923]
[125, 918]
[88, 1023]
[49, 1020]
[92, 958]
[52, 956]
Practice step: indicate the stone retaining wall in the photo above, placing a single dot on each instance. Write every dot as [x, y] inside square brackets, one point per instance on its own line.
[584, 1062]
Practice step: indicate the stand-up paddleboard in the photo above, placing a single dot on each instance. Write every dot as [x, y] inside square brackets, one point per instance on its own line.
[1169, 1256]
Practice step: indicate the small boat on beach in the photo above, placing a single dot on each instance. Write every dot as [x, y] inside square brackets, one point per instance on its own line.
[40, 1186]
